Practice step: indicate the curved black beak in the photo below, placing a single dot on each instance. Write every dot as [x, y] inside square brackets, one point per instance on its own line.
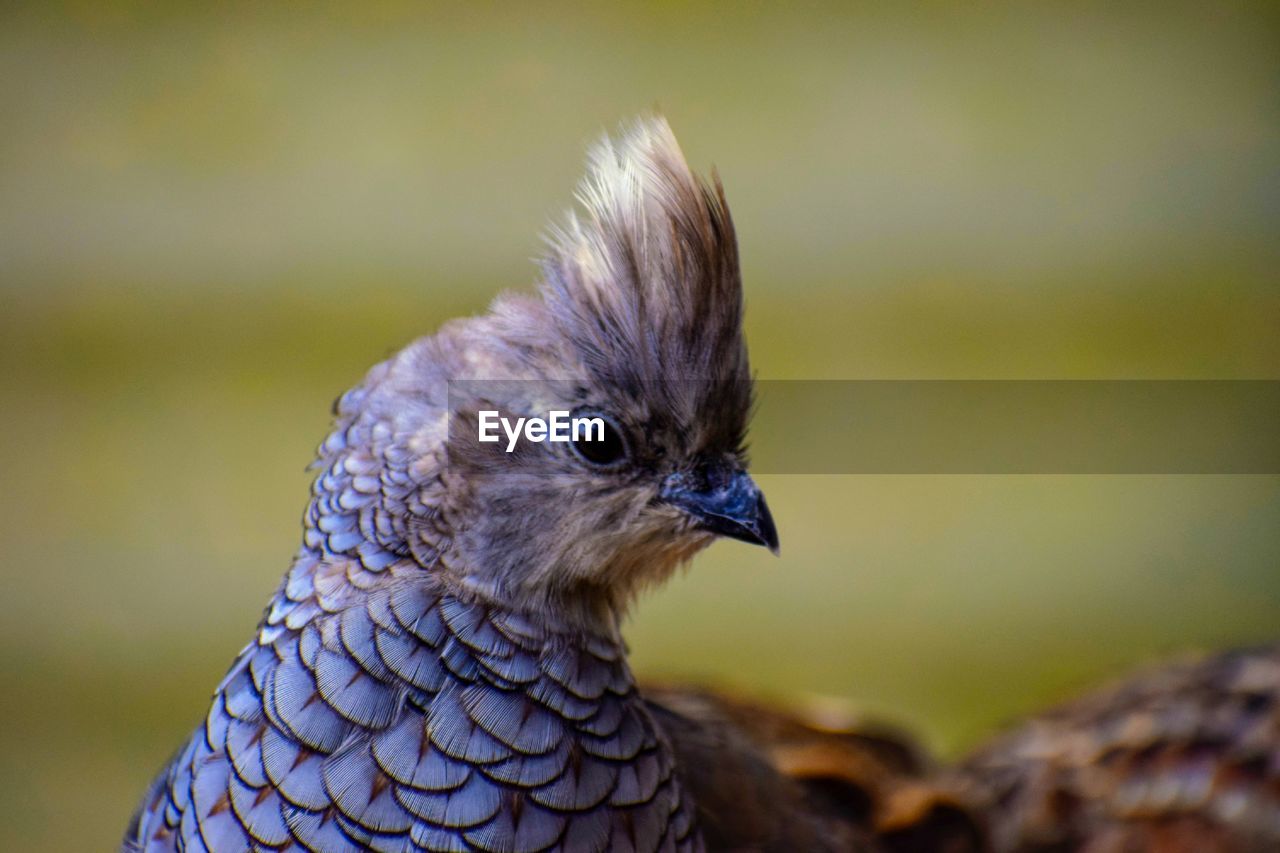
[723, 500]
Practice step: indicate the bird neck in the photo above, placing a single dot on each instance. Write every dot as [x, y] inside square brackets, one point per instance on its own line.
[368, 526]
[321, 582]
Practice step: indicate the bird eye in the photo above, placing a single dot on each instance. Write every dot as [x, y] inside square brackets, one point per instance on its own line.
[598, 440]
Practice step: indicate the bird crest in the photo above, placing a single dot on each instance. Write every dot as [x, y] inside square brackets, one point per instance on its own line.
[643, 278]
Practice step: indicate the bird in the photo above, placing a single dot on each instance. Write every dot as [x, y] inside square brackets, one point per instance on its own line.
[442, 665]
[1182, 757]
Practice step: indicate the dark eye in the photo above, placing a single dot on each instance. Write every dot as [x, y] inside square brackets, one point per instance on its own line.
[598, 440]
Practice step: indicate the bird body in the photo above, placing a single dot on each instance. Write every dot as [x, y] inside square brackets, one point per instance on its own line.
[396, 715]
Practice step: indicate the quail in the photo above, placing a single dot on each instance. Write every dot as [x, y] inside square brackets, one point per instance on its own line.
[442, 667]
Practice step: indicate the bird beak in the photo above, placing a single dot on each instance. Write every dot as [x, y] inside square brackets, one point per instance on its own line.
[725, 501]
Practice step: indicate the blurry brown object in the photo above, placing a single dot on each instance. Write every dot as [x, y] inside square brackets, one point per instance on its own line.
[1185, 757]
[758, 770]
[1179, 758]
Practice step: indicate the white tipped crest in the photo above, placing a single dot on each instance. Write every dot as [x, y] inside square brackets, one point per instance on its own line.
[644, 278]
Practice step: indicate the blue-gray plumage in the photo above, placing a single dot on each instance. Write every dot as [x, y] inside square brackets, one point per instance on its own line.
[388, 718]
[441, 668]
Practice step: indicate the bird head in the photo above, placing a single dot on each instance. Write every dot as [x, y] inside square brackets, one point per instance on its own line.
[636, 324]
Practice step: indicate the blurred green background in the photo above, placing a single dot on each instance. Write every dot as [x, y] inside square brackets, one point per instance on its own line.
[212, 221]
